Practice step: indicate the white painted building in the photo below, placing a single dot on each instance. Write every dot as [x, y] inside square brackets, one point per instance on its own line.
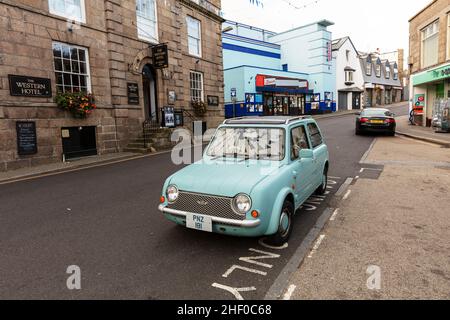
[349, 75]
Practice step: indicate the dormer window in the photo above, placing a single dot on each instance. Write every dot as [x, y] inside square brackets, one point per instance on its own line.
[378, 69]
[388, 71]
[369, 66]
[395, 72]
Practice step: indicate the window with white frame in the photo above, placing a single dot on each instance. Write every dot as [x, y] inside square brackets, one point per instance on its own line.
[194, 36]
[369, 67]
[395, 72]
[71, 65]
[196, 81]
[70, 9]
[378, 69]
[430, 44]
[147, 22]
[388, 70]
[349, 76]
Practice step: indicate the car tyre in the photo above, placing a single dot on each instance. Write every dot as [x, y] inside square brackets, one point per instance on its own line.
[285, 225]
[323, 187]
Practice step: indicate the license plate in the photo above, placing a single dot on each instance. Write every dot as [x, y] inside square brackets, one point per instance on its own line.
[199, 222]
[377, 121]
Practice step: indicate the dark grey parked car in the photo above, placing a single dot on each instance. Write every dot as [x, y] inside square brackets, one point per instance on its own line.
[375, 120]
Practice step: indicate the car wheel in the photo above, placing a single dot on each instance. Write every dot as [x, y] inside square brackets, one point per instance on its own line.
[323, 187]
[392, 134]
[284, 226]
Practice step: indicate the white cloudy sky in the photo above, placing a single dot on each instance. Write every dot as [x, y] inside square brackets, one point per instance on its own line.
[371, 24]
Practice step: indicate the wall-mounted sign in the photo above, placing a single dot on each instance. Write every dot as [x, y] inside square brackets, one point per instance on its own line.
[179, 119]
[213, 101]
[329, 51]
[419, 103]
[26, 137]
[29, 86]
[160, 56]
[271, 81]
[169, 117]
[171, 96]
[133, 93]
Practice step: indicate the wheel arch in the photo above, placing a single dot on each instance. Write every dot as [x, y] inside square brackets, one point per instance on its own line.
[283, 195]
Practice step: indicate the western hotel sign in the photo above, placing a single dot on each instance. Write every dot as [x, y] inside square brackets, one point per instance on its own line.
[25, 86]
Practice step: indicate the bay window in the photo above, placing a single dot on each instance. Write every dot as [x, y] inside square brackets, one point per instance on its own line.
[70, 9]
[146, 18]
[430, 45]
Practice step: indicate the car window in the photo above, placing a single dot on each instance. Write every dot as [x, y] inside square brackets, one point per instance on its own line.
[299, 141]
[314, 135]
[376, 113]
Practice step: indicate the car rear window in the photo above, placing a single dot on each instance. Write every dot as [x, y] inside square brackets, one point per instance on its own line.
[376, 113]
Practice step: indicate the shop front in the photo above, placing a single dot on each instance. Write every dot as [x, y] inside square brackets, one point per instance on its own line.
[430, 87]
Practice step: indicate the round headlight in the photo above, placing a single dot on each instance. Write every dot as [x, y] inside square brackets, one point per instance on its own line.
[172, 194]
[242, 203]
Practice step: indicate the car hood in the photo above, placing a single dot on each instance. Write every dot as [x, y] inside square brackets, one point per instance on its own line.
[223, 177]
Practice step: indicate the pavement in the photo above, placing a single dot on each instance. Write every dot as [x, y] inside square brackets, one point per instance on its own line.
[421, 133]
[388, 238]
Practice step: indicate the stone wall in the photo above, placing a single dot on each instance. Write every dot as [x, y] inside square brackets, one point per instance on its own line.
[116, 56]
[437, 9]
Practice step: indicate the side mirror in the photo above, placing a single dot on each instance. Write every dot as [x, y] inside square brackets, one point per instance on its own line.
[306, 154]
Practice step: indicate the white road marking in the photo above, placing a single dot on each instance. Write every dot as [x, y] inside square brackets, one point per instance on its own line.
[347, 195]
[333, 216]
[234, 267]
[316, 245]
[234, 291]
[266, 255]
[289, 292]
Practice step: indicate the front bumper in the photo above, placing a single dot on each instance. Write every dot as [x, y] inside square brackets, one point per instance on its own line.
[217, 220]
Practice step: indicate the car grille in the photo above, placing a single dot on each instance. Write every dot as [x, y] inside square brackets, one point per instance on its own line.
[208, 205]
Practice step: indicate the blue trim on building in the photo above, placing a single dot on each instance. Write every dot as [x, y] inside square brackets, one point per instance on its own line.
[269, 69]
[232, 47]
[250, 40]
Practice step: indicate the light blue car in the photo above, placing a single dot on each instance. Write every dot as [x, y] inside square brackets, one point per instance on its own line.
[255, 173]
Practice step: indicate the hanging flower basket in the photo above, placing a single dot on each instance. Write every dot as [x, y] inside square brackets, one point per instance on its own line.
[199, 107]
[79, 104]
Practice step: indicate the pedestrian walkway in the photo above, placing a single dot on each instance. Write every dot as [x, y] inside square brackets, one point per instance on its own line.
[389, 237]
[57, 167]
[421, 133]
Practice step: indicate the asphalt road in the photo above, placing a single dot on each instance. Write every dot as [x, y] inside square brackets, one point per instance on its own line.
[105, 221]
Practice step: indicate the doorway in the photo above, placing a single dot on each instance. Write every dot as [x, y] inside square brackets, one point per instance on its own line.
[79, 142]
[150, 93]
[342, 101]
[356, 101]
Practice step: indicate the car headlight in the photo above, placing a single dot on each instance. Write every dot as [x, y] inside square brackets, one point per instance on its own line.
[172, 193]
[242, 203]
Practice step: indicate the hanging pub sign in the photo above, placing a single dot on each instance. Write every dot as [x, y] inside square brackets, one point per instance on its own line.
[133, 93]
[26, 138]
[160, 56]
[169, 117]
[25, 86]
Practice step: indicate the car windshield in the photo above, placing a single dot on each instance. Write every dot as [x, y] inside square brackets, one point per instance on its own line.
[248, 143]
[376, 113]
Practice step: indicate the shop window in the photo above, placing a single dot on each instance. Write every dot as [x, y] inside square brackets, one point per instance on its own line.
[196, 81]
[71, 64]
[146, 18]
[430, 45]
[194, 36]
[70, 9]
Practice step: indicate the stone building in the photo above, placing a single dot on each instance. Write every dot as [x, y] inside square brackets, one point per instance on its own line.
[429, 58]
[104, 47]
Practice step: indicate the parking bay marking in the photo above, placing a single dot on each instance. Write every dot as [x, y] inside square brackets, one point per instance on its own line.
[310, 205]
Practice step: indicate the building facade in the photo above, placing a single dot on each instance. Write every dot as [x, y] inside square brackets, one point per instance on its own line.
[105, 48]
[429, 58]
[266, 73]
[349, 75]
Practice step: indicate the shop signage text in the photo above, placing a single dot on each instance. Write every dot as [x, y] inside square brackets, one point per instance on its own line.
[431, 75]
[29, 86]
[133, 93]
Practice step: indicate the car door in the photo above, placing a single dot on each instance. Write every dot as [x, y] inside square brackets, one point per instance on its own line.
[320, 153]
[301, 168]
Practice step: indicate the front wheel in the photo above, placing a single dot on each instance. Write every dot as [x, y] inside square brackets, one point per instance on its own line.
[285, 225]
[323, 187]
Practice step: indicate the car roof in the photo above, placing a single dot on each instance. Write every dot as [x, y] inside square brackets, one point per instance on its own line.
[376, 109]
[267, 120]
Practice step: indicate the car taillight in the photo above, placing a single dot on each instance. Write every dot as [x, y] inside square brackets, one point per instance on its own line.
[390, 120]
[363, 120]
